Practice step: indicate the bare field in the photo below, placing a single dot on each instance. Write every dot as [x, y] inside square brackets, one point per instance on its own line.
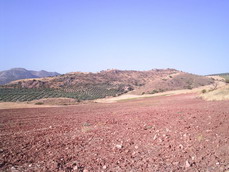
[165, 133]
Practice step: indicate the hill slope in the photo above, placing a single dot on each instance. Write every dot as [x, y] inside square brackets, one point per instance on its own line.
[85, 86]
[147, 81]
[21, 73]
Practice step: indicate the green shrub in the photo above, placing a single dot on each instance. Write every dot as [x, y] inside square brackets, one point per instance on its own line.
[204, 91]
[160, 90]
[227, 81]
[88, 93]
[154, 91]
[39, 103]
[189, 87]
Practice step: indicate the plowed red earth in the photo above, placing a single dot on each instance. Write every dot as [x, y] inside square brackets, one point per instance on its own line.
[176, 133]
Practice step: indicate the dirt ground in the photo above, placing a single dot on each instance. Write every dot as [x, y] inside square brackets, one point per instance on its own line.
[163, 134]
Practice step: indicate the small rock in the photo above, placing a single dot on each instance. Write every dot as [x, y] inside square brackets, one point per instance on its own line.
[181, 146]
[154, 138]
[175, 163]
[136, 147]
[75, 168]
[13, 169]
[74, 163]
[85, 170]
[104, 167]
[217, 163]
[118, 146]
[126, 151]
[187, 164]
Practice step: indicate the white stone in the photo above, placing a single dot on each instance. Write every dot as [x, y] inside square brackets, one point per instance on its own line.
[187, 164]
[118, 146]
[75, 168]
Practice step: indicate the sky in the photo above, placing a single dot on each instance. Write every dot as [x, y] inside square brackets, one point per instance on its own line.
[94, 35]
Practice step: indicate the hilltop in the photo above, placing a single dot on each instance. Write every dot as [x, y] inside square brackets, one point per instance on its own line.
[128, 80]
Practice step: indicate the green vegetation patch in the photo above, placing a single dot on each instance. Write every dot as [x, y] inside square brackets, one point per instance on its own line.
[25, 94]
[39, 103]
[204, 91]
[156, 91]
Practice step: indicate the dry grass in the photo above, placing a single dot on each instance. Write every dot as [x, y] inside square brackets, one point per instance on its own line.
[218, 94]
[56, 101]
[48, 102]
[217, 78]
[14, 105]
[128, 96]
[31, 79]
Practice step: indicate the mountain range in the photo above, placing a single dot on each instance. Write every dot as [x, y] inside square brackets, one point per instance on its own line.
[21, 73]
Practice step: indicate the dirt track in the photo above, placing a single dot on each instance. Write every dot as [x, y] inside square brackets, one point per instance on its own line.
[176, 133]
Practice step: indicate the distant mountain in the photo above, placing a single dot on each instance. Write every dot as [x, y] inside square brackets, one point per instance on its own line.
[219, 74]
[44, 73]
[21, 73]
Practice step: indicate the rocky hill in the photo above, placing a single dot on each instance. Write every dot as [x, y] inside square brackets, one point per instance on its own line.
[21, 73]
[88, 86]
[128, 80]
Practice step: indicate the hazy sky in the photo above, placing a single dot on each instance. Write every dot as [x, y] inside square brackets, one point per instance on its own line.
[93, 35]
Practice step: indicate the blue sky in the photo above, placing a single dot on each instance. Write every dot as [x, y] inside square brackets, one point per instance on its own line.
[94, 35]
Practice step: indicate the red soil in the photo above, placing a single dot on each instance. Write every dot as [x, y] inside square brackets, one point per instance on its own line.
[177, 133]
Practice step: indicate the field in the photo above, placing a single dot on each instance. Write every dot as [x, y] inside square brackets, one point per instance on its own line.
[166, 133]
[29, 94]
